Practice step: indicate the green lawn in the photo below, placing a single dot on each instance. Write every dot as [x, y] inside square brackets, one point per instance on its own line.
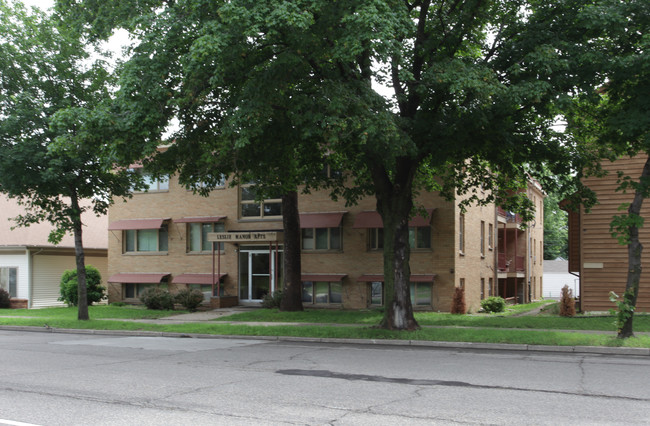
[532, 330]
[95, 312]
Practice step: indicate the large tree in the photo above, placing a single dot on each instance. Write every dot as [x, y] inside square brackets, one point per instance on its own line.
[616, 120]
[474, 88]
[51, 128]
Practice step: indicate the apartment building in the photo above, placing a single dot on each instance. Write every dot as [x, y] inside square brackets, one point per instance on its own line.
[165, 237]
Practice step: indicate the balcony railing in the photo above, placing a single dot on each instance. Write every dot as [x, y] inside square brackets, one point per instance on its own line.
[508, 264]
[510, 216]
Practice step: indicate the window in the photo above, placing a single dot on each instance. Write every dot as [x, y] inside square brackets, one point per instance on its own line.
[490, 236]
[376, 293]
[491, 287]
[146, 240]
[541, 252]
[421, 294]
[197, 238]
[482, 288]
[376, 236]
[9, 280]
[134, 290]
[419, 238]
[153, 184]
[220, 183]
[462, 283]
[321, 292]
[482, 239]
[251, 208]
[321, 238]
[328, 172]
[461, 233]
[206, 289]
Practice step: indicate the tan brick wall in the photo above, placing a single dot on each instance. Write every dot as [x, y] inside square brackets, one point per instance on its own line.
[355, 259]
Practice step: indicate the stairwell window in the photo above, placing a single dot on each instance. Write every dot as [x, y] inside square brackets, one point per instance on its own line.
[461, 233]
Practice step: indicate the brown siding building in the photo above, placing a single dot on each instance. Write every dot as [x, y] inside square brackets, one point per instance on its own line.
[162, 237]
[594, 254]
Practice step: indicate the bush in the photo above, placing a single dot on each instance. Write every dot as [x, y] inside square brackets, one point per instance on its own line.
[567, 303]
[493, 304]
[458, 302]
[272, 301]
[158, 299]
[189, 299]
[68, 286]
[5, 299]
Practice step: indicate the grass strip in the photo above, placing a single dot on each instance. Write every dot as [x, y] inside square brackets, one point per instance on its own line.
[530, 337]
[95, 312]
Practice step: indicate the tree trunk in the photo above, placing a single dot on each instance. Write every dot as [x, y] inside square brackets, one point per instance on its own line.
[292, 290]
[82, 298]
[634, 250]
[394, 204]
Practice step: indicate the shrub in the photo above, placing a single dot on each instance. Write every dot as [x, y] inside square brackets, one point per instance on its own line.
[458, 302]
[5, 299]
[493, 304]
[68, 286]
[272, 301]
[189, 299]
[158, 299]
[567, 302]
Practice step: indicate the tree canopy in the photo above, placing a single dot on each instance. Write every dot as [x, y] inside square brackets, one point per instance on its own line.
[475, 88]
[52, 125]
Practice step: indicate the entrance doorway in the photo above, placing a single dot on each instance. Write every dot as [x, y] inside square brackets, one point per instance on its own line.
[260, 271]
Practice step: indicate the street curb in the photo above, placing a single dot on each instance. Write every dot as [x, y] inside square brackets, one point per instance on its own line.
[601, 350]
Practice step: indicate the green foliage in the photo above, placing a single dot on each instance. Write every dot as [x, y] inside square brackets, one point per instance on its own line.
[5, 299]
[458, 302]
[157, 299]
[475, 90]
[556, 240]
[190, 299]
[493, 304]
[567, 303]
[272, 301]
[624, 309]
[69, 283]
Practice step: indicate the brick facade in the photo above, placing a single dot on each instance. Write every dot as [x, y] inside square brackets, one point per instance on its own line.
[444, 259]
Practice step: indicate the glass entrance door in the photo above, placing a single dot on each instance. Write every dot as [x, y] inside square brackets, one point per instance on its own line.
[257, 274]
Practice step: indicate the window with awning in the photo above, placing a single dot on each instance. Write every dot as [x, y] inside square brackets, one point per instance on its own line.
[321, 231]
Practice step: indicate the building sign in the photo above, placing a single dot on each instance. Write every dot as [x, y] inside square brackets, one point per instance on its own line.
[242, 237]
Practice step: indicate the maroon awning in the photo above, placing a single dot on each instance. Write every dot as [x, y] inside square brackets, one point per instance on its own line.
[197, 278]
[203, 219]
[368, 220]
[321, 220]
[154, 278]
[372, 219]
[422, 278]
[126, 224]
[371, 278]
[415, 278]
[419, 220]
[322, 277]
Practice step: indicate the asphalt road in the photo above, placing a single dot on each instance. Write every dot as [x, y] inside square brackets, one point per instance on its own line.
[70, 379]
